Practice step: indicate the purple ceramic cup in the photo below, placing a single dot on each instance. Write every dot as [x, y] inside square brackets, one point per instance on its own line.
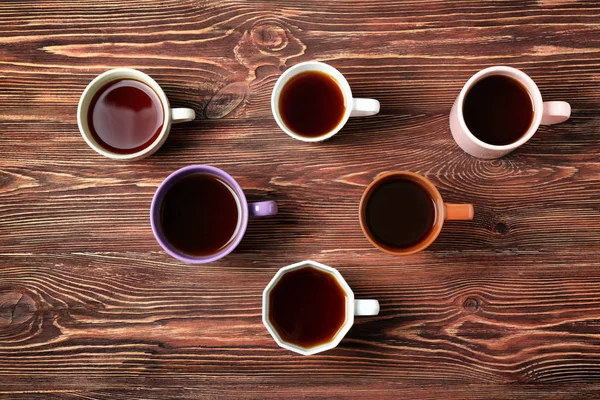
[260, 209]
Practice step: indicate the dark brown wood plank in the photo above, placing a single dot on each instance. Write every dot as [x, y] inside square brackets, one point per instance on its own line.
[505, 306]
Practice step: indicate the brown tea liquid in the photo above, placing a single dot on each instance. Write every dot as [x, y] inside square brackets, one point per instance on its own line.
[307, 307]
[125, 116]
[312, 104]
[498, 110]
[399, 213]
[200, 215]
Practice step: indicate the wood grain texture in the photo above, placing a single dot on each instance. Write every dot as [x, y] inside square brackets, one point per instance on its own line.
[506, 306]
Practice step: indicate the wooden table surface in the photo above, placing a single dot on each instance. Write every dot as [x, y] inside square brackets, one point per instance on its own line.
[504, 306]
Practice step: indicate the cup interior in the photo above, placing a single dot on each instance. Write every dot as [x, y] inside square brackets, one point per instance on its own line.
[156, 210]
[304, 67]
[98, 83]
[525, 81]
[349, 321]
[433, 193]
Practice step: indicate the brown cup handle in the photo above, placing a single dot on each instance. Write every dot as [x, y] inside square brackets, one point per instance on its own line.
[459, 212]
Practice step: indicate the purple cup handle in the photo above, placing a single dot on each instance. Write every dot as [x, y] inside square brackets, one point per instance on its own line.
[262, 208]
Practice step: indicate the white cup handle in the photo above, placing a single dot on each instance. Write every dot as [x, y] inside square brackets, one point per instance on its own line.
[366, 307]
[364, 107]
[182, 115]
[555, 112]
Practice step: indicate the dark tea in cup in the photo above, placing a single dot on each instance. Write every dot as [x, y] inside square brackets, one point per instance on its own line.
[125, 116]
[200, 215]
[307, 307]
[312, 104]
[498, 110]
[399, 212]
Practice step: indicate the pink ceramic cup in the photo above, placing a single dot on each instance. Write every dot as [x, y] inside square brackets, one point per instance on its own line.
[545, 113]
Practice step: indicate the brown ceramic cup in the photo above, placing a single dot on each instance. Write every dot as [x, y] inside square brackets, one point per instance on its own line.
[443, 212]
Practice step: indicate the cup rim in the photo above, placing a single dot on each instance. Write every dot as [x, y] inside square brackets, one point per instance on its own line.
[440, 212]
[157, 202]
[93, 87]
[343, 329]
[334, 74]
[530, 86]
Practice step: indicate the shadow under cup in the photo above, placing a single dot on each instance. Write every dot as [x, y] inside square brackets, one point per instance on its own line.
[244, 212]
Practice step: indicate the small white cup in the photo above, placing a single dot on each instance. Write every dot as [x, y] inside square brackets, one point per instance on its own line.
[353, 307]
[355, 107]
[171, 115]
[545, 113]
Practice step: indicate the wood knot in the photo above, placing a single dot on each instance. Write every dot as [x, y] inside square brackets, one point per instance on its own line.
[12, 181]
[471, 304]
[6, 179]
[226, 100]
[500, 228]
[267, 43]
[16, 308]
[269, 36]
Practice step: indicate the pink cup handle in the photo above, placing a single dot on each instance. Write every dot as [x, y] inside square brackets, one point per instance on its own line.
[262, 208]
[555, 112]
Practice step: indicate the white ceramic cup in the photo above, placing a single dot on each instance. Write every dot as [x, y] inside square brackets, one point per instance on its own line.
[171, 115]
[355, 107]
[545, 113]
[353, 307]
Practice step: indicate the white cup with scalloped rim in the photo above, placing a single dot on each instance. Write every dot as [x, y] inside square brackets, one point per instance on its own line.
[354, 307]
